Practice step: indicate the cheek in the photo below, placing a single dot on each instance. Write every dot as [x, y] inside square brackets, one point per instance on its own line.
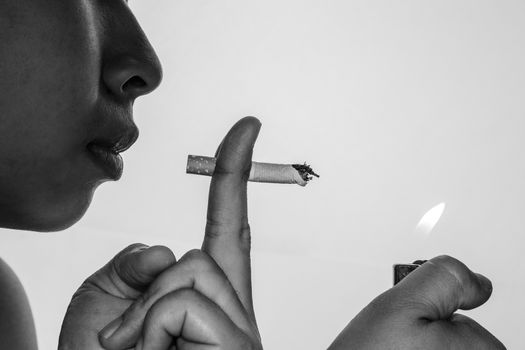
[50, 79]
[50, 69]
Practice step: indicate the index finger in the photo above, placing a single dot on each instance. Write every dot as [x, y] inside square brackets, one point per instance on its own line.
[227, 234]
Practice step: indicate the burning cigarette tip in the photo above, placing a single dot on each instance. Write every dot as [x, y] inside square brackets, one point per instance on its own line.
[306, 172]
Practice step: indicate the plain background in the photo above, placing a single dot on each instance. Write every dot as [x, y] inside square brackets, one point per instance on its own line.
[399, 105]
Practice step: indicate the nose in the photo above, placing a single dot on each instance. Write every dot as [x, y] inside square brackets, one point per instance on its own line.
[129, 77]
[133, 69]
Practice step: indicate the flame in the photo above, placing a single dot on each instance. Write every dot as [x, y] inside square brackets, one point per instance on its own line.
[430, 219]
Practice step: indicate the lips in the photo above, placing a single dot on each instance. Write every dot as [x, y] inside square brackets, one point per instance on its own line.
[107, 159]
[114, 135]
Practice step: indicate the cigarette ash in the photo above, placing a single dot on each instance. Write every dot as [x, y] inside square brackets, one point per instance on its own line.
[306, 172]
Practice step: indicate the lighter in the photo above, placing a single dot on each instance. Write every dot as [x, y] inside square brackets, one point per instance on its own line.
[403, 270]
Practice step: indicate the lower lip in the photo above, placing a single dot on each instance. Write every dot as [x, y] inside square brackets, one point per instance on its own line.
[109, 161]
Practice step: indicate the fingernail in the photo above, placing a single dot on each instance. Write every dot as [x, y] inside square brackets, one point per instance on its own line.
[139, 249]
[111, 328]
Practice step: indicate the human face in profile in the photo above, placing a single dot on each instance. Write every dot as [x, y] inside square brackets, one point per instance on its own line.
[71, 71]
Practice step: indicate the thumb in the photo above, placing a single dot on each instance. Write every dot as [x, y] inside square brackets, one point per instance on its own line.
[441, 286]
[133, 269]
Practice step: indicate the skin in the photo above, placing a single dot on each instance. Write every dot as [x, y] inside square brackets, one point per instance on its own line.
[420, 312]
[146, 300]
[71, 71]
[17, 330]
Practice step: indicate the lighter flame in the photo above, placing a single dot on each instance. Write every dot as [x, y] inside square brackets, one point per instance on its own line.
[429, 220]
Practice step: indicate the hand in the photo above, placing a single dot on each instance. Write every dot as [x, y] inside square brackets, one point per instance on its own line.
[419, 312]
[193, 305]
[216, 283]
[208, 299]
[109, 292]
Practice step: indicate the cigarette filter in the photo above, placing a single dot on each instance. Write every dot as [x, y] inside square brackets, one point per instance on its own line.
[403, 270]
[299, 174]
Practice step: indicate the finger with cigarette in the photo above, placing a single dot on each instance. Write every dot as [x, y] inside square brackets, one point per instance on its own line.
[299, 174]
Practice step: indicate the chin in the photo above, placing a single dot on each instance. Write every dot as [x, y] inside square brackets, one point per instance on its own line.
[65, 213]
[59, 221]
[54, 214]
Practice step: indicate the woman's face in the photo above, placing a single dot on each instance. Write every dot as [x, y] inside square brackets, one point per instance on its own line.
[70, 71]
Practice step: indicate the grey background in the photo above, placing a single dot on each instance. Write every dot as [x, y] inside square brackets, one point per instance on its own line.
[399, 105]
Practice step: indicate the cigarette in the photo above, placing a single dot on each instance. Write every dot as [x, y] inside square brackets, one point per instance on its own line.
[299, 174]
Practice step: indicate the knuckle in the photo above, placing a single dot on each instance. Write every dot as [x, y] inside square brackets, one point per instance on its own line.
[449, 263]
[155, 316]
[184, 295]
[455, 268]
[162, 311]
[444, 259]
[198, 260]
[214, 228]
[194, 255]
